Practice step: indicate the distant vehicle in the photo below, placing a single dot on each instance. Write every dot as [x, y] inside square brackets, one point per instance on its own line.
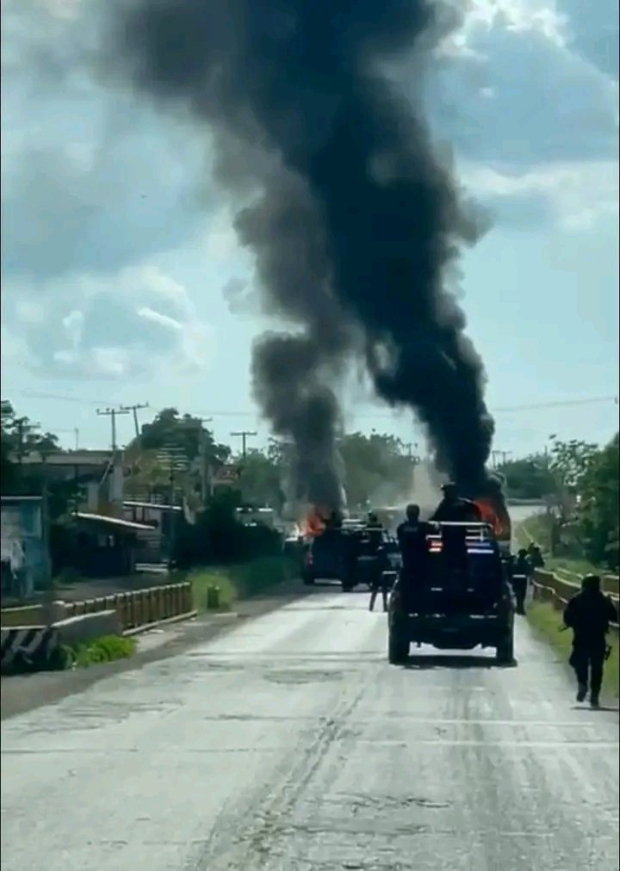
[251, 516]
[463, 602]
[327, 557]
[343, 555]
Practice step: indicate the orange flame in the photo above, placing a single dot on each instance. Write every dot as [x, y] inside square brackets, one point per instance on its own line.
[490, 516]
[313, 524]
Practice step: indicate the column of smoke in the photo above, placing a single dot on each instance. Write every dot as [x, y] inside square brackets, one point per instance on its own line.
[354, 222]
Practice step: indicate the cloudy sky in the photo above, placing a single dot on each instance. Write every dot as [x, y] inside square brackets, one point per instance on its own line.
[121, 278]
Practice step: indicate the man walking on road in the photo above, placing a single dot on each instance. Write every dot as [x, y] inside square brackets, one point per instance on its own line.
[589, 614]
[520, 574]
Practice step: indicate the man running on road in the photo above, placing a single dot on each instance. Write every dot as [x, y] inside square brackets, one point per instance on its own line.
[589, 614]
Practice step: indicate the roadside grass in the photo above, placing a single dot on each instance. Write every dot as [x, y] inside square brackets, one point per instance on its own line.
[567, 568]
[239, 580]
[106, 649]
[546, 623]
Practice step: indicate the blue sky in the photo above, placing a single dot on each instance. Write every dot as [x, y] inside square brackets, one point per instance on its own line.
[118, 256]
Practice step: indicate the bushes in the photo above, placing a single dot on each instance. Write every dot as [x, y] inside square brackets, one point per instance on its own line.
[106, 649]
[242, 580]
[218, 537]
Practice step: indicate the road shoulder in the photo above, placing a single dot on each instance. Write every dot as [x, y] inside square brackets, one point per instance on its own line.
[22, 693]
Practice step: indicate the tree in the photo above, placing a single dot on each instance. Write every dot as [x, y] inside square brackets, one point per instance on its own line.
[598, 514]
[259, 481]
[377, 469]
[21, 437]
[528, 477]
[186, 433]
[570, 462]
[170, 441]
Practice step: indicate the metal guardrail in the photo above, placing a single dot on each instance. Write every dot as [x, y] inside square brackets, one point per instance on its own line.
[134, 609]
[548, 587]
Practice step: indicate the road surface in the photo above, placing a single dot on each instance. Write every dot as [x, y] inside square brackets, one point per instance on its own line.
[289, 744]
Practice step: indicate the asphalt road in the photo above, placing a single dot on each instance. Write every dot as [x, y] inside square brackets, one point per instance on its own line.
[289, 744]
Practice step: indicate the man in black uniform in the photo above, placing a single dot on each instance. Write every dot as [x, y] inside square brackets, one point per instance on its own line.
[454, 509]
[411, 535]
[412, 540]
[372, 545]
[535, 555]
[589, 614]
[520, 573]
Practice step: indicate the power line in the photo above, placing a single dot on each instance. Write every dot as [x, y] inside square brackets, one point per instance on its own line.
[562, 403]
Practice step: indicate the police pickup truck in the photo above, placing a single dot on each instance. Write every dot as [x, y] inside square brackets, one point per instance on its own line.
[462, 600]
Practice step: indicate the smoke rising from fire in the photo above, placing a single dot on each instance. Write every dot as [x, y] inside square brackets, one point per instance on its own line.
[354, 222]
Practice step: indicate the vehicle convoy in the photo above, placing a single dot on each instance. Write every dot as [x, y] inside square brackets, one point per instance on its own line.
[462, 599]
[344, 554]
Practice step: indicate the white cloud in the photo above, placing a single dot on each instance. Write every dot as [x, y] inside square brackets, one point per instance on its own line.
[131, 324]
[539, 17]
[578, 195]
[74, 325]
[111, 361]
[14, 351]
[28, 311]
[158, 318]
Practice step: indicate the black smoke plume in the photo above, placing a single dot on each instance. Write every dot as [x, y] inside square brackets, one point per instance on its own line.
[355, 223]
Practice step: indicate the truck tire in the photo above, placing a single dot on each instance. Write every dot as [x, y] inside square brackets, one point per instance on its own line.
[398, 651]
[505, 650]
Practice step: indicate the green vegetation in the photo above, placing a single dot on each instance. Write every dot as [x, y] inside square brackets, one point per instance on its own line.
[580, 529]
[19, 437]
[240, 580]
[106, 649]
[547, 622]
[528, 477]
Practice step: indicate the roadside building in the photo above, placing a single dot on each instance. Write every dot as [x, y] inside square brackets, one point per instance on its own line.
[25, 557]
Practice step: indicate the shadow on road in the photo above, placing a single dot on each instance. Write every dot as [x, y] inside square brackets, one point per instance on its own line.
[438, 661]
[590, 710]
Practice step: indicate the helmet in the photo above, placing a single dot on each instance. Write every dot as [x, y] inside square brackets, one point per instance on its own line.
[591, 582]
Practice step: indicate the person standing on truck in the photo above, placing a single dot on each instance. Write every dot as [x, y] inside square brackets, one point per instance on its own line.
[454, 509]
[589, 614]
[411, 535]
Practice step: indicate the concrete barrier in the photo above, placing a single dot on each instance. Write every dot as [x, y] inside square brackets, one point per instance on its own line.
[32, 644]
[29, 615]
[134, 609]
[87, 627]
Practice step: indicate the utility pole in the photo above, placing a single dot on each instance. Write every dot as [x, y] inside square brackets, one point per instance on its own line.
[244, 435]
[500, 454]
[23, 426]
[112, 414]
[134, 410]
